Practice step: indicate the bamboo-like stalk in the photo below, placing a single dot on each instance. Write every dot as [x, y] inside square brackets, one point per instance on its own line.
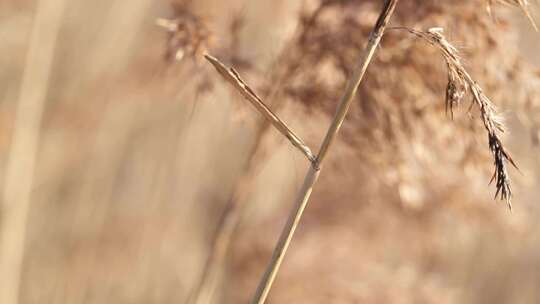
[205, 289]
[24, 145]
[313, 173]
[204, 292]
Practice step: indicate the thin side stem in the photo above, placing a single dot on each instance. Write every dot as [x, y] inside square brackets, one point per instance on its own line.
[311, 178]
[205, 290]
[233, 78]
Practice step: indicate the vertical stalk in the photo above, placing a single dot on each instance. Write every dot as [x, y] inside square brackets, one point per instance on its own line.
[204, 292]
[24, 145]
[312, 175]
[286, 236]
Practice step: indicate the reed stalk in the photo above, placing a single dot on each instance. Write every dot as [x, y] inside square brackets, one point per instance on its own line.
[314, 171]
[21, 163]
[281, 72]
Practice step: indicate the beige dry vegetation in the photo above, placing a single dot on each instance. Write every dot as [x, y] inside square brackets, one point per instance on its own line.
[142, 158]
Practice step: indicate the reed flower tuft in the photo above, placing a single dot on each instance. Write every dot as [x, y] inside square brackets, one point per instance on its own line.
[188, 36]
[460, 82]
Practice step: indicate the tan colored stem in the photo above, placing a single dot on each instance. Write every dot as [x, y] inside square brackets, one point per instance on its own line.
[311, 178]
[24, 145]
[233, 78]
[356, 78]
[286, 236]
[205, 290]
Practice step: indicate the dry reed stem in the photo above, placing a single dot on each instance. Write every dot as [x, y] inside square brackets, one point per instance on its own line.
[213, 269]
[454, 94]
[314, 170]
[286, 236]
[233, 78]
[23, 150]
[461, 82]
[204, 292]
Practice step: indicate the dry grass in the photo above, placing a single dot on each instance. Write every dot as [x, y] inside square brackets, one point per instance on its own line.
[232, 76]
[21, 160]
[459, 84]
[140, 157]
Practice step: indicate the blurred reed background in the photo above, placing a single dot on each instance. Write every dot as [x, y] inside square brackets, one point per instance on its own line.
[124, 156]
